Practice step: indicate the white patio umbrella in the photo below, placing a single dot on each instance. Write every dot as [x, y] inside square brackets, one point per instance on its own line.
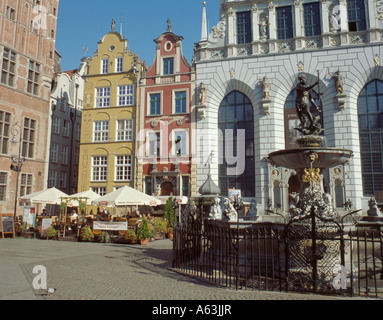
[126, 196]
[49, 196]
[89, 195]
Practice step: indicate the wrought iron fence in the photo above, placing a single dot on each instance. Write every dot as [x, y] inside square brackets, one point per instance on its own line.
[277, 257]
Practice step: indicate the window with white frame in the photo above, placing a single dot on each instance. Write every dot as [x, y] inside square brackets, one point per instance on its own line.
[101, 131]
[102, 97]
[63, 179]
[62, 104]
[101, 191]
[33, 77]
[119, 64]
[180, 102]
[52, 178]
[5, 124]
[105, 66]
[180, 143]
[124, 168]
[8, 68]
[77, 131]
[26, 181]
[125, 130]
[66, 128]
[56, 125]
[100, 168]
[3, 186]
[54, 152]
[126, 95]
[64, 154]
[29, 136]
[155, 104]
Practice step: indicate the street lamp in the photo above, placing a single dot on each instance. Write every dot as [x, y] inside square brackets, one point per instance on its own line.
[17, 163]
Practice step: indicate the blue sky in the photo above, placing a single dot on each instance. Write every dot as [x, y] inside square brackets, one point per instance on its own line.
[82, 23]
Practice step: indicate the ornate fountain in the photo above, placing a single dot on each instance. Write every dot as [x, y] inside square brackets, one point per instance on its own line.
[310, 158]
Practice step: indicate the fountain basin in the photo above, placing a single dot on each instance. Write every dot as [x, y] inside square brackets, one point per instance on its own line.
[300, 158]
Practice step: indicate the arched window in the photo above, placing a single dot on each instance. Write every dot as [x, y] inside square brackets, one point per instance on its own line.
[236, 113]
[370, 110]
[292, 120]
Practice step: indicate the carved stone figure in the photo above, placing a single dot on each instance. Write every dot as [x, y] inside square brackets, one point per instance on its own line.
[263, 28]
[230, 213]
[202, 94]
[113, 25]
[216, 210]
[253, 211]
[266, 88]
[309, 124]
[338, 82]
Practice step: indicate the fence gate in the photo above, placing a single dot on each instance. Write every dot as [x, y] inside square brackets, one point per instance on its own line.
[315, 249]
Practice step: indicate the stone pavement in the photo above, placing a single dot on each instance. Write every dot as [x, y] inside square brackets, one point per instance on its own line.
[94, 271]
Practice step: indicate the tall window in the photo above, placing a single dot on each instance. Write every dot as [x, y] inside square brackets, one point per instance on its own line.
[236, 113]
[52, 179]
[33, 78]
[63, 179]
[370, 108]
[125, 130]
[5, 124]
[244, 34]
[56, 125]
[101, 131]
[356, 15]
[64, 154]
[312, 19]
[180, 102]
[155, 104]
[180, 142]
[8, 69]
[284, 23]
[168, 66]
[154, 143]
[126, 95]
[66, 128]
[105, 66]
[119, 64]
[3, 186]
[103, 97]
[124, 168]
[29, 136]
[54, 152]
[100, 168]
[26, 181]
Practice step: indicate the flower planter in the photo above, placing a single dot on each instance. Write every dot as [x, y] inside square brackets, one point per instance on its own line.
[144, 242]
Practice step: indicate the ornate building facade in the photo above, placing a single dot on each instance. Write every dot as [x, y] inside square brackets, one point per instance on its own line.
[67, 103]
[167, 122]
[249, 63]
[110, 117]
[27, 52]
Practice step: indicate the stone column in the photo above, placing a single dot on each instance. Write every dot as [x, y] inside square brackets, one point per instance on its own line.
[255, 26]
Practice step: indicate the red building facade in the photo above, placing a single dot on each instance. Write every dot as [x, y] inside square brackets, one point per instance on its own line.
[167, 122]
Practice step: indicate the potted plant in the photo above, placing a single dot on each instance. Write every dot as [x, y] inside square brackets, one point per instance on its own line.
[86, 234]
[104, 237]
[144, 233]
[51, 232]
[131, 236]
[160, 226]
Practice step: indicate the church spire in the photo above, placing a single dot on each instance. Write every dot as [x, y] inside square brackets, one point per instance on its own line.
[204, 23]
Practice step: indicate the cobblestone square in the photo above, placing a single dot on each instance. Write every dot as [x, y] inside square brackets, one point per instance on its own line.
[93, 271]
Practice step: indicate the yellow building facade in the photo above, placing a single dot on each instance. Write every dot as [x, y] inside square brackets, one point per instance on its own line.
[110, 117]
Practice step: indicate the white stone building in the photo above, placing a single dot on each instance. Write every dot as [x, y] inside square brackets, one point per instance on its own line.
[278, 40]
[66, 114]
